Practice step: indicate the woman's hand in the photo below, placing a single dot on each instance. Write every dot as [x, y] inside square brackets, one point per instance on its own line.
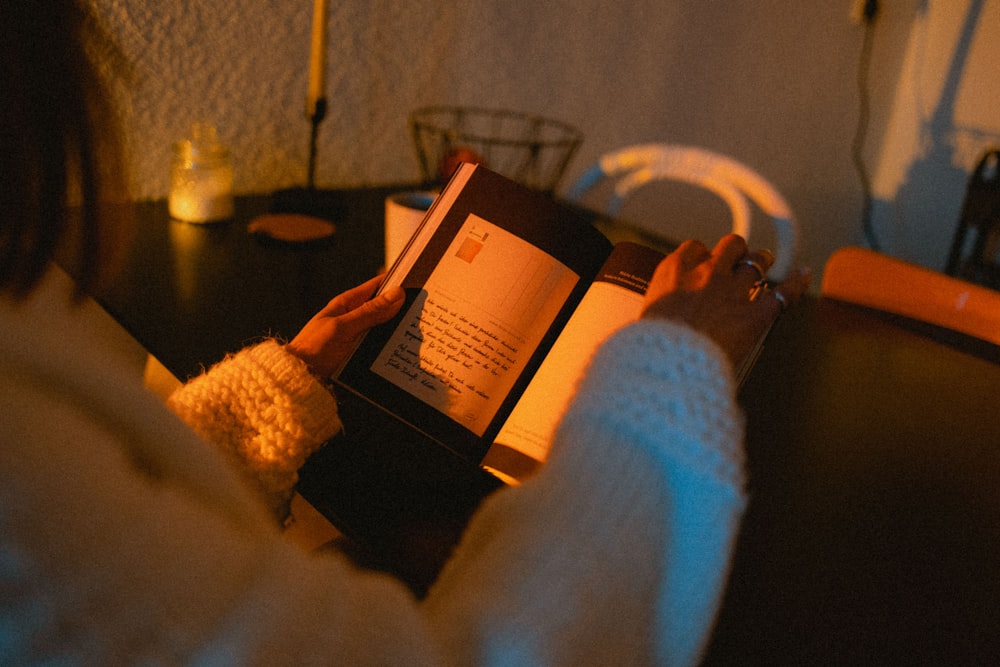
[328, 338]
[711, 292]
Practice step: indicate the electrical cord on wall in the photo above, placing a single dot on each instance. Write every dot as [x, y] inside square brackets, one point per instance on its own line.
[869, 13]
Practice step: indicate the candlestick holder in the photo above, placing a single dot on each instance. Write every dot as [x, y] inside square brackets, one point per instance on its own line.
[303, 214]
[309, 200]
[316, 116]
[306, 214]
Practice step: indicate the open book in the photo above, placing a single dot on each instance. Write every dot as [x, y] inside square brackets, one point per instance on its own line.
[508, 294]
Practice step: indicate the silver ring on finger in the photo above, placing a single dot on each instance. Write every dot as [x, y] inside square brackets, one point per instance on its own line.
[780, 298]
[759, 287]
[753, 264]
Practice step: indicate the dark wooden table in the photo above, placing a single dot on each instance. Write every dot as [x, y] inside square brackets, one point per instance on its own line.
[191, 292]
[873, 530]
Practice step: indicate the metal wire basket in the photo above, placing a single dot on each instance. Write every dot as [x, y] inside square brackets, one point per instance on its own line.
[531, 150]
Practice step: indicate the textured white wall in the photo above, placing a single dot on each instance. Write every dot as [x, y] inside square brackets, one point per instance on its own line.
[943, 115]
[772, 83]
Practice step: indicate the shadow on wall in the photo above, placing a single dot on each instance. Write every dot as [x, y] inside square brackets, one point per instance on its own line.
[927, 204]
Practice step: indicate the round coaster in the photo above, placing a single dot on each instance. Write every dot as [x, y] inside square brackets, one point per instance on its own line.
[291, 227]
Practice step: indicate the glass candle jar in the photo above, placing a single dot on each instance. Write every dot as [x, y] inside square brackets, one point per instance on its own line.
[201, 183]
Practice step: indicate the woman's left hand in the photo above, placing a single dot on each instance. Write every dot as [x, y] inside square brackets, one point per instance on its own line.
[328, 338]
[711, 292]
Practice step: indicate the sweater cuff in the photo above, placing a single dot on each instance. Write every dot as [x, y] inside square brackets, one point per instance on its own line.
[315, 406]
[264, 408]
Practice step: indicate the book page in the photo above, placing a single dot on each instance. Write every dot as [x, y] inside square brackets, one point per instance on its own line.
[491, 276]
[530, 426]
[612, 301]
[481, 315]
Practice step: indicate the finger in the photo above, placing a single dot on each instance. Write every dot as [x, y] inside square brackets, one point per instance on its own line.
[784, 295]
[692, 253]
[794, 286]
[371, 312]
[352, 298]
[764, 257]
[772, 302]
[729, 250]
[754, 265]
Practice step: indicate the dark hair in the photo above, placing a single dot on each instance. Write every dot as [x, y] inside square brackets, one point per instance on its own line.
[57, 141]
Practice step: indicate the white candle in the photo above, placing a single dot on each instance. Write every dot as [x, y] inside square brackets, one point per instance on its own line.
[317, 57]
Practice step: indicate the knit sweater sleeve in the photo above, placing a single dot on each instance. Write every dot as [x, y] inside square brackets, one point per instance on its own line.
[618, 551]
[262, 408]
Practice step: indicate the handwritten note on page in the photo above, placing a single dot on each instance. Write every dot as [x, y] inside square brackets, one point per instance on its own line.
[484, 309]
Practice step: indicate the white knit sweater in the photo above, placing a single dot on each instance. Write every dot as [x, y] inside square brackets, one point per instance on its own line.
[127, 539]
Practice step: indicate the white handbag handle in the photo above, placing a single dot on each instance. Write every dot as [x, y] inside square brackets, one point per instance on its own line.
[732, 181]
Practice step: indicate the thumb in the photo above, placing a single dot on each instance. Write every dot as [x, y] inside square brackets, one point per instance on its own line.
[388, 302]
[374, 311]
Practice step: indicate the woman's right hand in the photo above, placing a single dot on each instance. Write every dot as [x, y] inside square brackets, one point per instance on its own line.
[711, 292]
[329, 337]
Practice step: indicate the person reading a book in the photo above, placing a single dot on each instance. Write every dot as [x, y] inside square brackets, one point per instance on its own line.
[138, 532]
